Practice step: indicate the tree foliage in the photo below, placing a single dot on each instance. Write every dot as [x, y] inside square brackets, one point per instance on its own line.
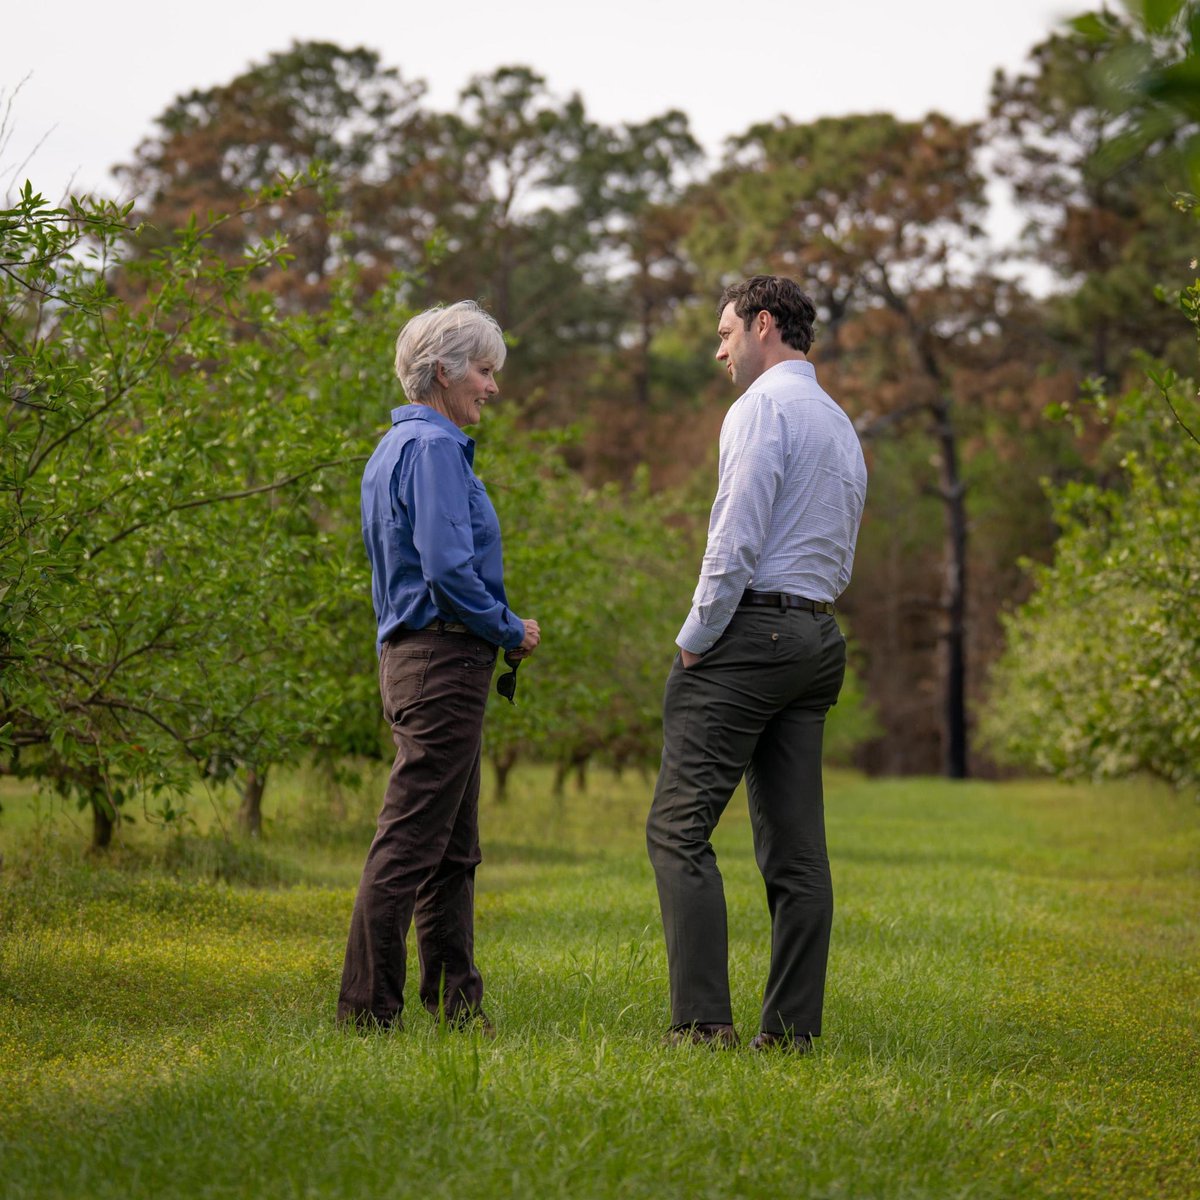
[1095, 165]
[314, 103]
[1101, 676]
[155, 464]
[880, 217]
[601, 250]
[607, 572]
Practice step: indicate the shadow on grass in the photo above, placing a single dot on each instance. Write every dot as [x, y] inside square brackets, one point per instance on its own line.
[913, 856]
[539, 854]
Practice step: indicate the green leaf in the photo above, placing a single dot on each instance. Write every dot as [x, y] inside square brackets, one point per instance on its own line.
[1095, 27]
[1159, 15]
[1177, 85]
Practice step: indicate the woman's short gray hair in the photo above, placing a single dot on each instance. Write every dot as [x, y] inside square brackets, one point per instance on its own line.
[455, 336]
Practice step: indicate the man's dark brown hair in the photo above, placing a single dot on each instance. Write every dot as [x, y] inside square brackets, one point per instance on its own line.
[793, 311]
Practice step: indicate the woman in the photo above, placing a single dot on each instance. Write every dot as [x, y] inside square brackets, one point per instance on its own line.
[437, 584]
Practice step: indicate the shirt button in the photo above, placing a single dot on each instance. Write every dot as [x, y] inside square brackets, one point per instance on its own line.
[774, 637]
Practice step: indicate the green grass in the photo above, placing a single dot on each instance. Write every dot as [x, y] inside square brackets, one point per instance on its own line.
[1012, 1009]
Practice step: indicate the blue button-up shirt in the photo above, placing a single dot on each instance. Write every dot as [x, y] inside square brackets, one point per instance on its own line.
[432, 534]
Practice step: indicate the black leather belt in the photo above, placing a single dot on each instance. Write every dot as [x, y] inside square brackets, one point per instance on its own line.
[752, 599]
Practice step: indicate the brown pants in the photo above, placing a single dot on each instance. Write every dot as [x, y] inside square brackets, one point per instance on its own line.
[421, 865]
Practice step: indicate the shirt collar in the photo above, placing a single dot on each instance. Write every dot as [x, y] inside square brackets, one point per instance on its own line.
[790, 366]
[422, 412]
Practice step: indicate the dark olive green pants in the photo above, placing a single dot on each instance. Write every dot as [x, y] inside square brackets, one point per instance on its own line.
[753, 706]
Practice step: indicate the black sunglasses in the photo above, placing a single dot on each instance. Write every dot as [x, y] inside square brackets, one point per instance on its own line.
[506, 685]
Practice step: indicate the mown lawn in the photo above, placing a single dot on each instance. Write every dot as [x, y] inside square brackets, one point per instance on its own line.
[1013, 1009]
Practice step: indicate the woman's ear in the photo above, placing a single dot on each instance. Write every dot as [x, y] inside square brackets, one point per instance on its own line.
[441, 376]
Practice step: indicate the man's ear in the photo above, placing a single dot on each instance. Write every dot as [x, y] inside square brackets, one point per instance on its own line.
[763, 322]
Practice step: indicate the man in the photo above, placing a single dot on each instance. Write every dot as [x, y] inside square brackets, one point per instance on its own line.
[761, 660]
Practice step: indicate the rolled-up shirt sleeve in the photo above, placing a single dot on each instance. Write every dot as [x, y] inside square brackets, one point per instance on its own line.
[749, 477]
[434, 490]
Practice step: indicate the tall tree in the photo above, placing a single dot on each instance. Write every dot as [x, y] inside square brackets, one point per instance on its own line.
[314, 103]
[631, 180]
[512, 235]
[879, 217]
[1100, 676]
[1096, 167]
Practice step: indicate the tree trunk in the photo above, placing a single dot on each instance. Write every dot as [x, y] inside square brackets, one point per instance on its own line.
[502, 764]
[954, 602]
[333, 787]
[104, 820]
[641, 375]
[250, 814]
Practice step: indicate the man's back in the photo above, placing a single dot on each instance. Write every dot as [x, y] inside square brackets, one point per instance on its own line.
[797, 452]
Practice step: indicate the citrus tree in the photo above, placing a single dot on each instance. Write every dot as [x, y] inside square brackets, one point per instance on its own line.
[1101, 675]
[157, 460]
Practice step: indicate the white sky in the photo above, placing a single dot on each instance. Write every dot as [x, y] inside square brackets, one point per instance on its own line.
[96, 75]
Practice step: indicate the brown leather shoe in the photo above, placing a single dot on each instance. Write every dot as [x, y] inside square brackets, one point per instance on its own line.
[699, 1033]
[785, 1043]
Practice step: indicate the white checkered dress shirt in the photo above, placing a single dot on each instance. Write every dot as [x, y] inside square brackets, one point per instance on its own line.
[790, 492]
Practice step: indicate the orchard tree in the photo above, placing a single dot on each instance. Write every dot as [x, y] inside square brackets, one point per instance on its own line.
[152, 463]
[602, 569]
[1102, 674]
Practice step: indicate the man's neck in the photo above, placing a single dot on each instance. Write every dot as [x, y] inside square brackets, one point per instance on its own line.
[783, 354]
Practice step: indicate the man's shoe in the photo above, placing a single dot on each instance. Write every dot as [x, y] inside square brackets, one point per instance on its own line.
[719, 1037]
[785, 1043]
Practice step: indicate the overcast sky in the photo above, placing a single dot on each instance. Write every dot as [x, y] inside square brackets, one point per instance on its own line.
[96, 75]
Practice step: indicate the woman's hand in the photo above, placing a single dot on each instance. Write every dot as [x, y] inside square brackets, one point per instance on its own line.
[533, 635]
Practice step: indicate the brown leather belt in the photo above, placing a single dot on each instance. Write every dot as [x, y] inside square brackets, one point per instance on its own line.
[752, 599]
[440, 626]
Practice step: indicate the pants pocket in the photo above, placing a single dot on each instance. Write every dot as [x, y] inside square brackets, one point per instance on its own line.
[403, 668]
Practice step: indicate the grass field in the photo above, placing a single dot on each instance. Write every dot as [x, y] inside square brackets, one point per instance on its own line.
[1013, 1008]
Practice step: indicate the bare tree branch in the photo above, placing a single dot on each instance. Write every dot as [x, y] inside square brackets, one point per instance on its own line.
[1175, 413]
